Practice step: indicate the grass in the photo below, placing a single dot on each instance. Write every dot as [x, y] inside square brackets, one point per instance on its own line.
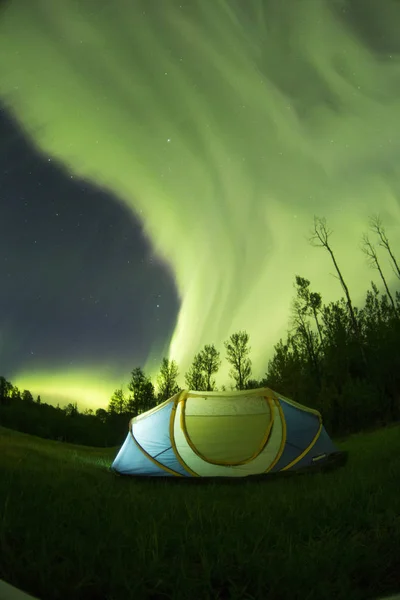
[69, 528]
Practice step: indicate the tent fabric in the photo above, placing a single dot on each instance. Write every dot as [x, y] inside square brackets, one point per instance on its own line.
[223, 434]
[301, 429]
[132, 461]
[206, 421]
[323, 446]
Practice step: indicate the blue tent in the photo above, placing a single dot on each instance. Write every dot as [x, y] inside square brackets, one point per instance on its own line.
[225, 434]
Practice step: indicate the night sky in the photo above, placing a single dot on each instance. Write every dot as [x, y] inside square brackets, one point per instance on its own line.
[161, 162]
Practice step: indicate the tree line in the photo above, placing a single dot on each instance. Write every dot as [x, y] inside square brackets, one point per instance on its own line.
[21, 411]
[338, 358]
[142, 394]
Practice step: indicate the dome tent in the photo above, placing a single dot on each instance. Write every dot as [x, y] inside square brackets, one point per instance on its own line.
[225, 434]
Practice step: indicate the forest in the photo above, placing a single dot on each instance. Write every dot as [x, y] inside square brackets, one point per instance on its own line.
[341, 359]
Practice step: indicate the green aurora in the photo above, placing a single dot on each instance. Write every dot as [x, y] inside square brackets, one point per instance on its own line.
[224, 126]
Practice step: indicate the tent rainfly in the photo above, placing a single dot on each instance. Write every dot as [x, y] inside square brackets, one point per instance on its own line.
[225, 434]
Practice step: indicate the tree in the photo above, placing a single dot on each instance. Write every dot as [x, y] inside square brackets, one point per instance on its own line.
[38, 400]
[377, 227]
[27, 396]
[253, 384]
[320, 238]
[237, 355]
[194, 378]
[167, 379]
[312, 301]
[15, 393]
[71, 410]
[205, 364]
[118, 402]
[101, 414]
[284, 368]
[5, 388]
[341, 349]
[316, 305]
[301, 309]
[210, 360]
[369, 250]
[143, 397]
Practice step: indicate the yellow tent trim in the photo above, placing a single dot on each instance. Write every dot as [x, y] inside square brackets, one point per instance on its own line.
[227, 463]
[237, 393]
[178, 398]
[283, 440]
[151, 411]
[313, 411]
[296, 460]
[147, 455]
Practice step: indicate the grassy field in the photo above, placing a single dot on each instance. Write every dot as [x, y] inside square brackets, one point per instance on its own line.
[71, 529]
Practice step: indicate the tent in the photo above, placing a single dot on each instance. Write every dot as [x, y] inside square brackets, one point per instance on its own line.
[225, 434]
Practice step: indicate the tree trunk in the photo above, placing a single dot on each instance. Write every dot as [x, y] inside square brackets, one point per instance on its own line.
[351, 310]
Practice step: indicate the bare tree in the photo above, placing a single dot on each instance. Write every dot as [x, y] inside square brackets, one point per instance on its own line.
[377, 227]
[369, 250]
[320, 238]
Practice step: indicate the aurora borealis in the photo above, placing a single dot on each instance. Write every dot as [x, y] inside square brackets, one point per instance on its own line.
[222, 127]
